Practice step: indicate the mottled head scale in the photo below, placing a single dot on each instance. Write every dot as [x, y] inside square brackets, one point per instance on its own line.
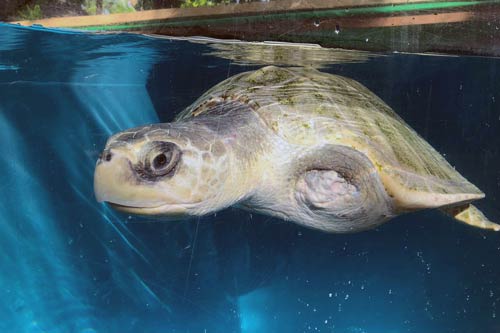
[165, 168]
[314, 148]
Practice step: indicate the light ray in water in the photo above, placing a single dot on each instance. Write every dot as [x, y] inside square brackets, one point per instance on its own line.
[46, 290]
[30, 295]
[193, 247]
[150, 292]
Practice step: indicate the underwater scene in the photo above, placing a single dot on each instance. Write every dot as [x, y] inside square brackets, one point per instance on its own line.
[69, 263]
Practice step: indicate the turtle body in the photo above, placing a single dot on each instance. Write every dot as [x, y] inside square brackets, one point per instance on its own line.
[317, 149]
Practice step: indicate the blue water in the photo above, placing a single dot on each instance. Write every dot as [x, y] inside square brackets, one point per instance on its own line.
[69, 264]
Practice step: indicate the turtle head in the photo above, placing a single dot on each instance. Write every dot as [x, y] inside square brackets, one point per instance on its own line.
[166, 169]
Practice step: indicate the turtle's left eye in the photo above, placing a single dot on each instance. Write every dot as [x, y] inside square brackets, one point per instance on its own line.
[163, 159]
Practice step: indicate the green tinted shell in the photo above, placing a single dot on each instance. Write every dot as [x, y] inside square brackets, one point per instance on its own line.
[309, 108]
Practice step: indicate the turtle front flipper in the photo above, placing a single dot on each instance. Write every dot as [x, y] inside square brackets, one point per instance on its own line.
[339, 190]
[471, 215]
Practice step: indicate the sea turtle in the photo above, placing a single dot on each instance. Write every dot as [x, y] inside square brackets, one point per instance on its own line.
[317, 149]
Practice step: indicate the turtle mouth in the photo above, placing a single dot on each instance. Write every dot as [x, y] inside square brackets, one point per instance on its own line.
[164, 210]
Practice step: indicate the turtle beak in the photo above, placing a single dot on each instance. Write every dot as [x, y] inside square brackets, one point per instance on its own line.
[170, 211]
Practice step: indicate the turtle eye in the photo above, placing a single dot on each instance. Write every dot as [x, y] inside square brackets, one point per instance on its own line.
[161, 161]
[164, 157]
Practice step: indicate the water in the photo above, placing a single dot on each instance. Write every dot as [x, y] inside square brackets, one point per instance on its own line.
[69, 264]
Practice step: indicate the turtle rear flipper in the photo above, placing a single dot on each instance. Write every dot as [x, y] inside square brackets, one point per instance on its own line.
[456, 205]
[471, 215]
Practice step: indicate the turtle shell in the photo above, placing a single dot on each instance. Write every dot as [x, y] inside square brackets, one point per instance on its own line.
[309, 108]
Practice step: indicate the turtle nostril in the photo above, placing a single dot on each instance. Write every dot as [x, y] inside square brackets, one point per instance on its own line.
[106, 156]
